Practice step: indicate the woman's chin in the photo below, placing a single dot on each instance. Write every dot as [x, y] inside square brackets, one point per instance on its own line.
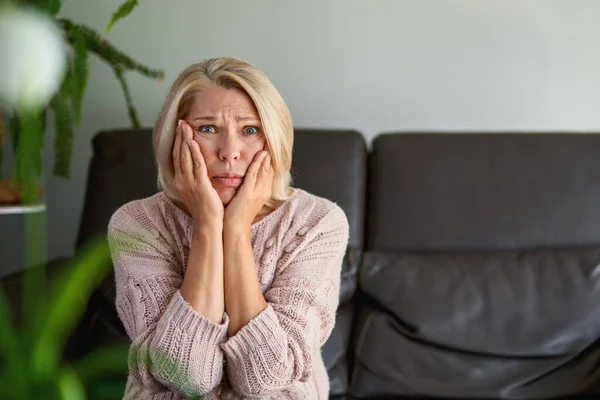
[226, 195]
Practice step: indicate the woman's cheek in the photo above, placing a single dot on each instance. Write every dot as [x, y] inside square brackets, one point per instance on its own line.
[258, 144]
[206, 148]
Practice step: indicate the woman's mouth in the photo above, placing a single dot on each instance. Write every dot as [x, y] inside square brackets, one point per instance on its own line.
[229, 180]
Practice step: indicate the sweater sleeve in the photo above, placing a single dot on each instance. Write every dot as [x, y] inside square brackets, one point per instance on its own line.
[172, 344]
[275, 349]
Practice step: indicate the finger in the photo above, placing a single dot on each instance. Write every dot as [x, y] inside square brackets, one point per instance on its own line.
[187, 130]
[250, 177]
[186, 160]
[177, 149]
[198, 163]
[265, 176]
[252, 172]
[265, 165]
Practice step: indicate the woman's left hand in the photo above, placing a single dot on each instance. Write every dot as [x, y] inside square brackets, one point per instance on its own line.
[252, 194]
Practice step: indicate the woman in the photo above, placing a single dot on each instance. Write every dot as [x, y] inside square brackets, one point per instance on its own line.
[228, 279]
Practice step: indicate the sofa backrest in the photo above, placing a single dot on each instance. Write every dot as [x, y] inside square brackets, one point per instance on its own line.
[121, 170]
[482, 271]
[333, 164]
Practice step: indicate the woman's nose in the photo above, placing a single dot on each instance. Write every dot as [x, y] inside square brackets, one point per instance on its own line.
[230, 148]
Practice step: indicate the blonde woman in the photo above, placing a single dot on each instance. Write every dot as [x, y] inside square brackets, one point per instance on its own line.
[227, 279]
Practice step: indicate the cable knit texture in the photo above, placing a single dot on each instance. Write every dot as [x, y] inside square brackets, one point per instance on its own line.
[177, 353]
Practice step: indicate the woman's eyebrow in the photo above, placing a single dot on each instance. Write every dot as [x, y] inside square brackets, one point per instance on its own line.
[205, 118]
[239, 119]
[248, 118]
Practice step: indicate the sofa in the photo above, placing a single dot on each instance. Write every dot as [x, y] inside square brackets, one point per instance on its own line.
[472, 269]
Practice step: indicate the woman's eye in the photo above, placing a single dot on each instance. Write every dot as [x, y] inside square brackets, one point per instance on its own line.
[206, 129]
[250, 130]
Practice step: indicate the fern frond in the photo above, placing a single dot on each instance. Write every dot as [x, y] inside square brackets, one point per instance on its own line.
[52, 7]
[132, 112]
[13, 130]
[107, 52]
[63, 136]
[79, 73]
[124, 10]
[39, 155]
[27, 153]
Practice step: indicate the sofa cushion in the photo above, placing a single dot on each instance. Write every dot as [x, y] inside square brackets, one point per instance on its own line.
[481, 275]
[486, 325]
[447, 191]
[121, 170]
[332, 164]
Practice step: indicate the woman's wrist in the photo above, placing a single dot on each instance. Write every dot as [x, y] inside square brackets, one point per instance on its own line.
[208, 226]
[236, 228]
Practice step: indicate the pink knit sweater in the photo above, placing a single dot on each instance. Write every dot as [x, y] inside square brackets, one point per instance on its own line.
[178, 353]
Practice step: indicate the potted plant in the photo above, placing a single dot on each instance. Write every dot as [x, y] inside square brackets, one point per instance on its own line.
[26, 125]
[31, 349]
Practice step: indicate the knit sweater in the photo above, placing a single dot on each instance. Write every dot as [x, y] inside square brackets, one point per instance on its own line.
[178, 353]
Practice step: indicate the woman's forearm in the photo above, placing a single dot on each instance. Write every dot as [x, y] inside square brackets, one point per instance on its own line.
[203, 286]
[243, 297]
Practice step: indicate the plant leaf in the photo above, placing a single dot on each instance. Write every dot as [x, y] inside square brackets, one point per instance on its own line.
[69, 296]
[79, 73]
[63, 135]
[52, 7]
[66, 87]
[135, 122]
[13, 370]
[39, 155]
[1, 144]
[112, 389]
[106, 360]
[109, 53]
[13, 129]
[124, 10]
[27, 153]
[34, 294]
[69, 385]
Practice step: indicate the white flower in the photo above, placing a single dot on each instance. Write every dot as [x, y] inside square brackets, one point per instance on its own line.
[32, 57]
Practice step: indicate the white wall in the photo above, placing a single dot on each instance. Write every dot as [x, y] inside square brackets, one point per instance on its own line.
[371, 65]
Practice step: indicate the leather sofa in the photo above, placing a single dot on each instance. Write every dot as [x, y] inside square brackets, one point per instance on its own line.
[472, 270]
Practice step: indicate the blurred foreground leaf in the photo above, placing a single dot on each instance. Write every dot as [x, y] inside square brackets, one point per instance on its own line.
[68, 300]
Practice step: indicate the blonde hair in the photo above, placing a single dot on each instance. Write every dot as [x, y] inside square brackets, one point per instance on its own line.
[228, 73]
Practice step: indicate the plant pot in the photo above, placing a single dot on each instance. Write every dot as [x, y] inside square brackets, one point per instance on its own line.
[11, 193]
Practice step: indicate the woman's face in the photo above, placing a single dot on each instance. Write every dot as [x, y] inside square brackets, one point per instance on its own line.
[227, 127]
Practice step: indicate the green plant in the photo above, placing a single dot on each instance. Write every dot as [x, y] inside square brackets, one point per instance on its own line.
[26, 127]
[31, 353]
[31, 364]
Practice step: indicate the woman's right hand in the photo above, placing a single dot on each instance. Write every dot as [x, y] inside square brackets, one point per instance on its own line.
[191, 179]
